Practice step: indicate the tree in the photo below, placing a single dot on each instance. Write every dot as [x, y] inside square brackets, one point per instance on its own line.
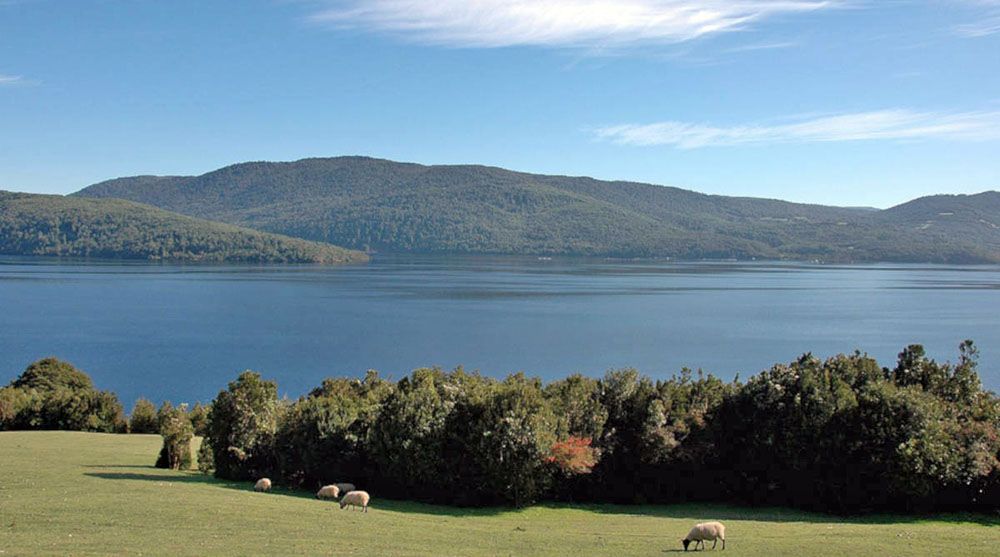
[407, 439]
[52, 394]
[144, 417]
[51, 374]
[497, 443]
[175, 427]
[323, 438]
[199, 418]
[241, 428]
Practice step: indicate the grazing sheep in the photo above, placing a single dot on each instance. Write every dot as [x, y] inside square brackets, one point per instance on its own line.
[328, 492]
[262, 484]
[356, 499]
[345, 487]
[714, 531]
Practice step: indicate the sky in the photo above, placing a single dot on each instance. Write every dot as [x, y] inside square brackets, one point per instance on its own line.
[842, 102]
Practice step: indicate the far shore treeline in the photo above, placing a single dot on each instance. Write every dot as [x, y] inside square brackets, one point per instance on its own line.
[843, 435]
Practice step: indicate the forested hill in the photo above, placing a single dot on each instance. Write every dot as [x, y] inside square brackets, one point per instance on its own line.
[382, 205]
[112, 228]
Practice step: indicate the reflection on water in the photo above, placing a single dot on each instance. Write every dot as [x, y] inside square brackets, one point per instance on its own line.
[182, 332]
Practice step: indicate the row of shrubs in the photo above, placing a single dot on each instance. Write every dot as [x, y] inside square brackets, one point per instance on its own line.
[844, 434]
[841, 435]
[53, 394]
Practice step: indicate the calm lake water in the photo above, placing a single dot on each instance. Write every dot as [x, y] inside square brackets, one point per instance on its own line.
[182, 332]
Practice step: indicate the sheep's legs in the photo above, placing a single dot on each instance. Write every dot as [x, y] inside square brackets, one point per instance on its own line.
[714, 543]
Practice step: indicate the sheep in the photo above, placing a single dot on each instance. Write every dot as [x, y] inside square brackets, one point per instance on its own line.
[345, 487]
[328, 492]
[714, 531]
[356, 499]
[263, 484]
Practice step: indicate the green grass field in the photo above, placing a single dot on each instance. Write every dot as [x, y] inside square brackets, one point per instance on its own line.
[83, 493]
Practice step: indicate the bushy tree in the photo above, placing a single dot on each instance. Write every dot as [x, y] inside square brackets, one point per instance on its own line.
[627, 397]
[199, 418]
[576, 403]
[407, 441]
[175, 427]
[52, 374]
[497, 443]
[323, 438]
[52, 394]
[241, 428]
[206, 461]
[144, 417]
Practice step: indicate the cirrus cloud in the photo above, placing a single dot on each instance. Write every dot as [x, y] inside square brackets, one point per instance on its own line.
[893, 124]
[558, 23]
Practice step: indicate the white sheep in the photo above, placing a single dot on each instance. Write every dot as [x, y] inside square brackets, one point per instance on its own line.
[356, 499]
[345, 487]
[328, 492]
[262, 484]
[713, 531]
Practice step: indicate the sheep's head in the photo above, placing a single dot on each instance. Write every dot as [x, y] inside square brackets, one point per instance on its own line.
[685, 541]
[343, 502]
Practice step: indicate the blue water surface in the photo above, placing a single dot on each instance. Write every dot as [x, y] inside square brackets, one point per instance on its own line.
[180, 333]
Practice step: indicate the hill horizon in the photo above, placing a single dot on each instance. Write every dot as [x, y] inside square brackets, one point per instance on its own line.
[377, 205]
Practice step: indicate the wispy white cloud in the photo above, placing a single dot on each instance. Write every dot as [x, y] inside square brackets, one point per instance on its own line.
[558, 23]
[762, 46]
[10, 79]
[895, 124]
[987, 22]
[982, 28]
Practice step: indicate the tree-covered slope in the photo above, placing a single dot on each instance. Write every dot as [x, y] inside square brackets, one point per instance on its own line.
[113, 228]
[382, 205]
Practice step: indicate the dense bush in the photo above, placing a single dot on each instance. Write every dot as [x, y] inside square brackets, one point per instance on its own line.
[842, 434]
[206, 460]
[199, 418]
[52, 394]
[175, 427]
[241, 428]
[143, 418]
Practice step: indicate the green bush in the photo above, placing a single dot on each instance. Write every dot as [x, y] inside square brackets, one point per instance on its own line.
[52, 394]
[323, 437]
[241, 428]
[175, 427]
[206, 463]
[144, 418]
[199, 418]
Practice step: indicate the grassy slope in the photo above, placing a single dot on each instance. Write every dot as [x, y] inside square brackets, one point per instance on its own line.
[64, 492]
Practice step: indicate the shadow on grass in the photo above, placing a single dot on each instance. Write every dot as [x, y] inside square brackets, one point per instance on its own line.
[392, 505]
[186, 478]
[694, 512]
[716, 511]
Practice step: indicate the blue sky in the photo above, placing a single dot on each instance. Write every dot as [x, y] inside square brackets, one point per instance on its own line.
[849, 102]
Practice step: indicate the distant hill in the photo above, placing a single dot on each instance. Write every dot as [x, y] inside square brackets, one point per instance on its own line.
[112, 228]
[381, 205]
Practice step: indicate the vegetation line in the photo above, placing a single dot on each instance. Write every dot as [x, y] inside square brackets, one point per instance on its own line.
[843, 435]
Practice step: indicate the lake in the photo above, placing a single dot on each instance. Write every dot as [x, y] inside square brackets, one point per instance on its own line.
[182, 332]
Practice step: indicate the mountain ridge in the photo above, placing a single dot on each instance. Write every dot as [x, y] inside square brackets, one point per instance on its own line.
[380, 205]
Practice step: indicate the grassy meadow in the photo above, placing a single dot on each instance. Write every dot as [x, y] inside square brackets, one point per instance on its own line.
[87, 493]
